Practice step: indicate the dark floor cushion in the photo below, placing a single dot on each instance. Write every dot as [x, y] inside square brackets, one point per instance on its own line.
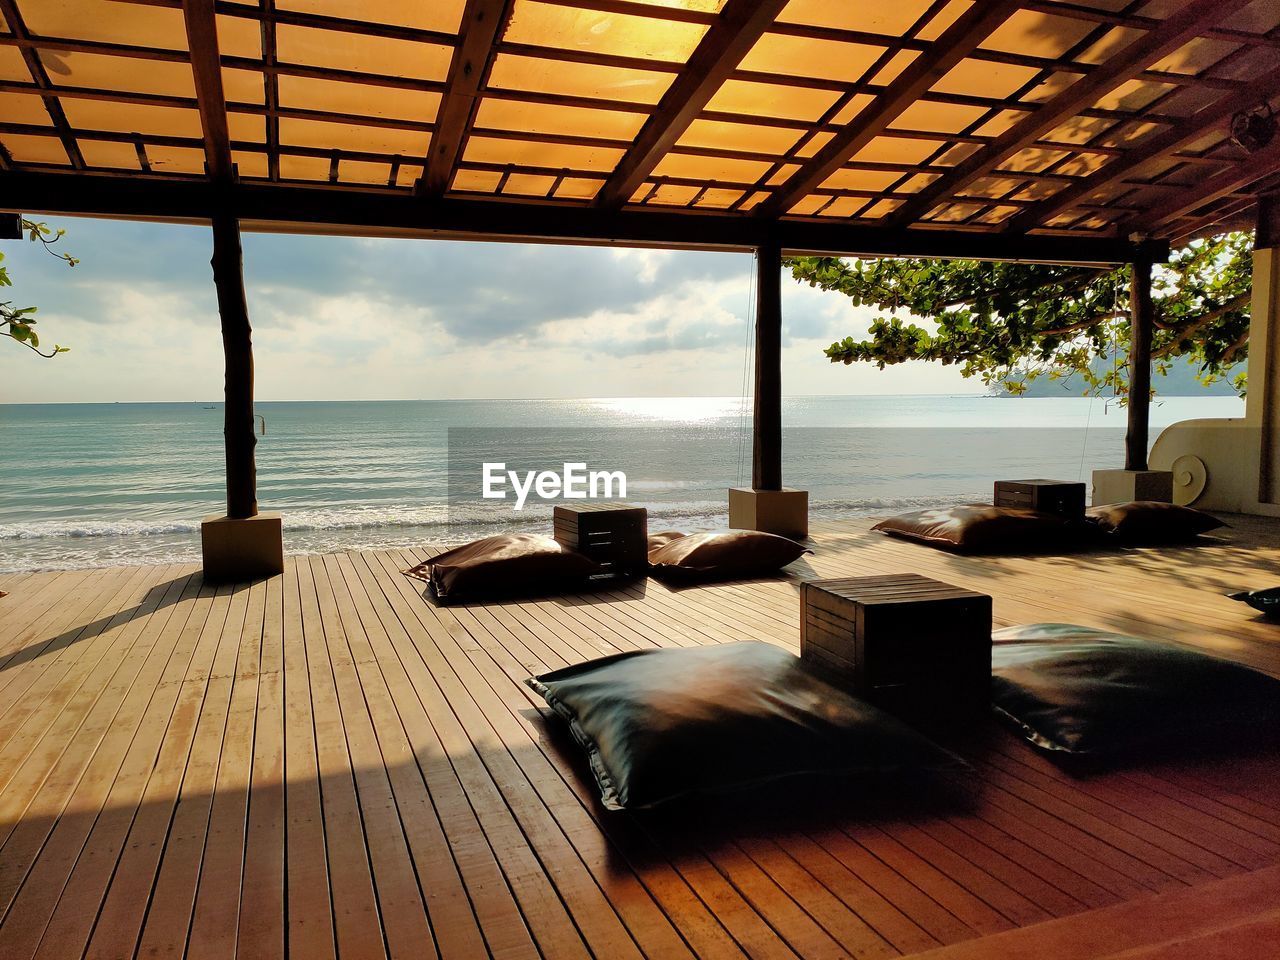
[979, 528]
[506, 565]
[1083, 691]
[1151, 522]
[660, 724]
[726, 555]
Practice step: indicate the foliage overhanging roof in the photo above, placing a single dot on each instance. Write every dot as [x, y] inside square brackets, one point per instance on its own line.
[911, 125]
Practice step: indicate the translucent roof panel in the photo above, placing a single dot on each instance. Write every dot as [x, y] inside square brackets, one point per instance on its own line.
[711, 169]
[105, 153]
[890, 19]
[175, 160]
[349, 137]
[722, 135]
[595, 31]
[619, 84]
[128, 74]
[807, 57]
[107, 21]
[13, 66]
[497, 114]
[132, 118]
[476, 181]
[439, 15]
[980, 78]
[537, 154]
[357, 99]
[24, 108]
[363, 54]
[772, 100]
[1037, 34]
[33, 149]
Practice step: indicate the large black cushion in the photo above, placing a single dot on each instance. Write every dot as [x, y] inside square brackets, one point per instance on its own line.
[1151, 522]
[980, 528]
[1084, 691]
[506, 565]
[719, 555]
[659, 724]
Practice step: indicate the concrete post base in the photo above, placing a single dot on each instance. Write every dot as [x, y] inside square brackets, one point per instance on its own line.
[1121, 486]
[239, 550]
[784, 512]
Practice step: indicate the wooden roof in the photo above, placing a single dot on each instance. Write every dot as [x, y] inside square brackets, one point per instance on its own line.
[1000, 125]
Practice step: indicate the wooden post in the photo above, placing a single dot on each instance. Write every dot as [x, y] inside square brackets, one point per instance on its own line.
[1141, 325]
[766, 447]
[237, 347]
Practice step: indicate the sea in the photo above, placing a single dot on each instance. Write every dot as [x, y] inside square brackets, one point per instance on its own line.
[85, 485]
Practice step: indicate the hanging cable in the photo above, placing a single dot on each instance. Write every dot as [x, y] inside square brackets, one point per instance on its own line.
[748, 342]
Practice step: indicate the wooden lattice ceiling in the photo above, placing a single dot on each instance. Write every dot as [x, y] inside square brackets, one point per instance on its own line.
[1092, 119]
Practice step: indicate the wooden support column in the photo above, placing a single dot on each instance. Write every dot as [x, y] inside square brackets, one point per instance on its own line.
[766, 448]
[766, 505]
[1141, 325]
[237, 348]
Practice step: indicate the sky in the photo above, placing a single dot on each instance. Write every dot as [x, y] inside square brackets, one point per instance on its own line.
[375, 319]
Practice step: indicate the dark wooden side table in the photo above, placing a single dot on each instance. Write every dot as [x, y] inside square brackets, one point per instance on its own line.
[614, 535]
[1062, 497]
[904, 641]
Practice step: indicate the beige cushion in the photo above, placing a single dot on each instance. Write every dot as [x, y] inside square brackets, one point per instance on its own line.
[508, 564]
[661, 539]
[979, 528]
[724, 555]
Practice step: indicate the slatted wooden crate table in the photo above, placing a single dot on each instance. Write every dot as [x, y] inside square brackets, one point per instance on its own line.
[1062, 497]
[902, 640]
[612, 534]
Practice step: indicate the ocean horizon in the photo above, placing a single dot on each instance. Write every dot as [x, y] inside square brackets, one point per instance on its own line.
[98, 484]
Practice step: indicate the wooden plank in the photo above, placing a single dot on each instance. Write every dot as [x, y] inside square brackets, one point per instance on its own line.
[400, 902]
[261, 929]
[310, 927]
[168, 914]
[1116, 931]
[357, 925]
[215, 918]
[113, 782]
[77, 908]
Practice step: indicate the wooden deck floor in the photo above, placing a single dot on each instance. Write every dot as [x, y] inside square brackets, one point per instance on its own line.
[324, 765]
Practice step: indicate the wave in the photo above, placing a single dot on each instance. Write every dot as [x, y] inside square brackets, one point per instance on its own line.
[460, 518]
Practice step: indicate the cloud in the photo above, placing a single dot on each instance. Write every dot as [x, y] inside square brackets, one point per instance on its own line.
[376, 318]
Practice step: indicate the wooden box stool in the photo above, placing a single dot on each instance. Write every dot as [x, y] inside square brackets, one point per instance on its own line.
[1062, 497]
[614, 535]
[904, 641]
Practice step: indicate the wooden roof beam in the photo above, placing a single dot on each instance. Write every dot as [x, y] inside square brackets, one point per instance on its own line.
[1189, 22]
[722, 48]
[206, 66]
[1140, 159]
[952, 46]
[325, 209]
[1256, 166]
[481, 24]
